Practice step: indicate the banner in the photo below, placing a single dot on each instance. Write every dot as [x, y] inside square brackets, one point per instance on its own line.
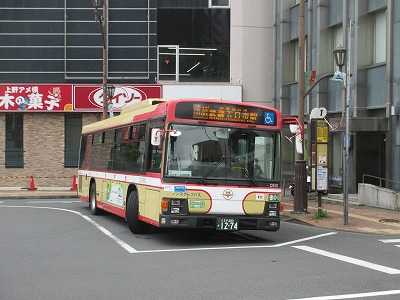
[36, 97]
[89, 98]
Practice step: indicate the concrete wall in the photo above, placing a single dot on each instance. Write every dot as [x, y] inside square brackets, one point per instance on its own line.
[375, 196]
[252, 48]
[43, 151]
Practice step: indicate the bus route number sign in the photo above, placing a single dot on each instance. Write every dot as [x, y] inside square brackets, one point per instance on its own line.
[225, 113]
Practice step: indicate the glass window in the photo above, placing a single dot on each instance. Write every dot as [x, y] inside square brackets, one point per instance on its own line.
[219, 3]
[380, 37]
[231, 154]
[195, 43]
[14, 154]
[72, 134]
[155, 156]
[128, 150]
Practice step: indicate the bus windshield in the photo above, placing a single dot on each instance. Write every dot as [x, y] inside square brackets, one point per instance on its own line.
[219, 153]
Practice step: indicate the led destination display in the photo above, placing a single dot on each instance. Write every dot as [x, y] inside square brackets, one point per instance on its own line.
[225, 113]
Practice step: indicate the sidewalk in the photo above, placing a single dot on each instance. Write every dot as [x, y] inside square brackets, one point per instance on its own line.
[361, 218]
[38, 194]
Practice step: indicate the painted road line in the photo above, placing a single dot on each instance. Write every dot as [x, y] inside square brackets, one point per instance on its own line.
[238, 247]
[353, 296]
[51, 201]
[390, 241]
[350, 260]
[105, 231]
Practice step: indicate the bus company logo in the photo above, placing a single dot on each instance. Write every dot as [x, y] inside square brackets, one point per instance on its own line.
[228, 194]
[123, 95]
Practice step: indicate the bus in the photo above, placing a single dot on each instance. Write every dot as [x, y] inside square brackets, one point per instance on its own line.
[189, 163]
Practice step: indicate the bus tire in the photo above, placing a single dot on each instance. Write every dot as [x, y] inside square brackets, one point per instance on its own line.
[92, 199]
[132, 214]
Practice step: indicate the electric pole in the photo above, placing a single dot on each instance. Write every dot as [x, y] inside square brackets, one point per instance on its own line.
[300, 196]
[102, 19]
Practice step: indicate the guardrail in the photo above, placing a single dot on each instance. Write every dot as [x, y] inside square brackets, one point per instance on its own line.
[380, 179]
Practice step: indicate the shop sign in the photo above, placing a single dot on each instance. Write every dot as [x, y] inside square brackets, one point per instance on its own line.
[36, 97]
[90, 97]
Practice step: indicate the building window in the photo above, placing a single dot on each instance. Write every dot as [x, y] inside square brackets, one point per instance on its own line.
[194, 45]
[380, 38]
[218, 3]
[294, 50]
[14, 155]
[72, 135]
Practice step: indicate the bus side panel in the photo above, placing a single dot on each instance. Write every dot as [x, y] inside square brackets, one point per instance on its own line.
[83, 187]
[152, 204]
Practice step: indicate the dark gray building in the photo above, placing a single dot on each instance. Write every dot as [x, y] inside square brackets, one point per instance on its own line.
[375, 68]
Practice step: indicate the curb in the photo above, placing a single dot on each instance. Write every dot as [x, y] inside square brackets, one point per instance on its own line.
[369, 230]
[14, 197]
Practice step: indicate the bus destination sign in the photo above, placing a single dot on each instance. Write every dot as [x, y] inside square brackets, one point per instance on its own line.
[225, 113]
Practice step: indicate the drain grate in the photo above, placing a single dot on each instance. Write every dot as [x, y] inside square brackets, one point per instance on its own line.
[389, 221]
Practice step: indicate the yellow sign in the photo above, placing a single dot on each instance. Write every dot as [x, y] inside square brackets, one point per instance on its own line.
[322, 132]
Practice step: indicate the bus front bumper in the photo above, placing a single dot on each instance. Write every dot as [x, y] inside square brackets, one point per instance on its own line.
[210, 222]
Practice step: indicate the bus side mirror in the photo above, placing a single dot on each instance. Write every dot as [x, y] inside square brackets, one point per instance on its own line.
[156, 136]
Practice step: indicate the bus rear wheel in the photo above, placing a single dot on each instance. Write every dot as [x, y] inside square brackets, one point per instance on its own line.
[132, 214]
[92, 199]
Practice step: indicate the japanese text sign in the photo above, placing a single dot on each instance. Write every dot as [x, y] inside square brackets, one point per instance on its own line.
[90, 97]
[36, 97]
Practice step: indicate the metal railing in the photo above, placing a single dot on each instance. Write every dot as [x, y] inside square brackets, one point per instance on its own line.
[380, 179]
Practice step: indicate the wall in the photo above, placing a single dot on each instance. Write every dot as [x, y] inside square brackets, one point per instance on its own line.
[252, 48]
[43, 151]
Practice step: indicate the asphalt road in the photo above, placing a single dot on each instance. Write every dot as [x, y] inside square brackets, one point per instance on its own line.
[54, 249]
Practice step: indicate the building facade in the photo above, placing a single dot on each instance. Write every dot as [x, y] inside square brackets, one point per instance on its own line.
[375, 71]
[51, 69]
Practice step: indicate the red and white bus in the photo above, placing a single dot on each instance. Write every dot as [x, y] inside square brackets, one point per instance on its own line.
[190, 163]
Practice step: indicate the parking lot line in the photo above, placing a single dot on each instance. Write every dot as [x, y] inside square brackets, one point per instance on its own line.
[393, 241]
[353, 296]
[350, 260]
[238, 247]
[105, 231]
[52, 201]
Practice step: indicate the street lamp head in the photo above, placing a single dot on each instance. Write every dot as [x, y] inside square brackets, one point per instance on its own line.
[340, 56]
[110, 91]
[97, 3]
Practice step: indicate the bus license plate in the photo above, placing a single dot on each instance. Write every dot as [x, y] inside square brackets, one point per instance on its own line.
[228, 224]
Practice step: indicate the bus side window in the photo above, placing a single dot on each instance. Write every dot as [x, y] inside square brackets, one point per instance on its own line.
[155, 157]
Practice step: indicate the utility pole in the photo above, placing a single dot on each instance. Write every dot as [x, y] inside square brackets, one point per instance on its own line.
[346, 151]
[105, 57]
[300, 196]
[102, 19]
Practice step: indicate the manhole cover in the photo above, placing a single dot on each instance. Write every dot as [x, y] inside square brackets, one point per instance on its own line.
[389, 221]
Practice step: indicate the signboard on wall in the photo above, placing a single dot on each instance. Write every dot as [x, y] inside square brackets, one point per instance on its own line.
[89, 98]
[36, 97]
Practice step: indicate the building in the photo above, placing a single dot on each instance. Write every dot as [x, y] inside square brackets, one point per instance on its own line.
[51, 69]
[375, 92]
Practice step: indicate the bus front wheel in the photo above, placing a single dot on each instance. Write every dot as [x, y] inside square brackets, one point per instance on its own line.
[132, 214]
[92, 199]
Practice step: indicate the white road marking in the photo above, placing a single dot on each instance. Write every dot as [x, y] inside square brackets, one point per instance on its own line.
[51, 201]
[390, 241]
[353, 296]
[350, 260]
[238, 247]
[120, 242]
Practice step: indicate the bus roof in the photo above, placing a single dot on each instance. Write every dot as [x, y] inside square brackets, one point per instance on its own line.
[154, 107]
[126, 117]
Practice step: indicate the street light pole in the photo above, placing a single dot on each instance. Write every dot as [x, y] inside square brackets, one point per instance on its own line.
[300, 201]
[102, 19]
